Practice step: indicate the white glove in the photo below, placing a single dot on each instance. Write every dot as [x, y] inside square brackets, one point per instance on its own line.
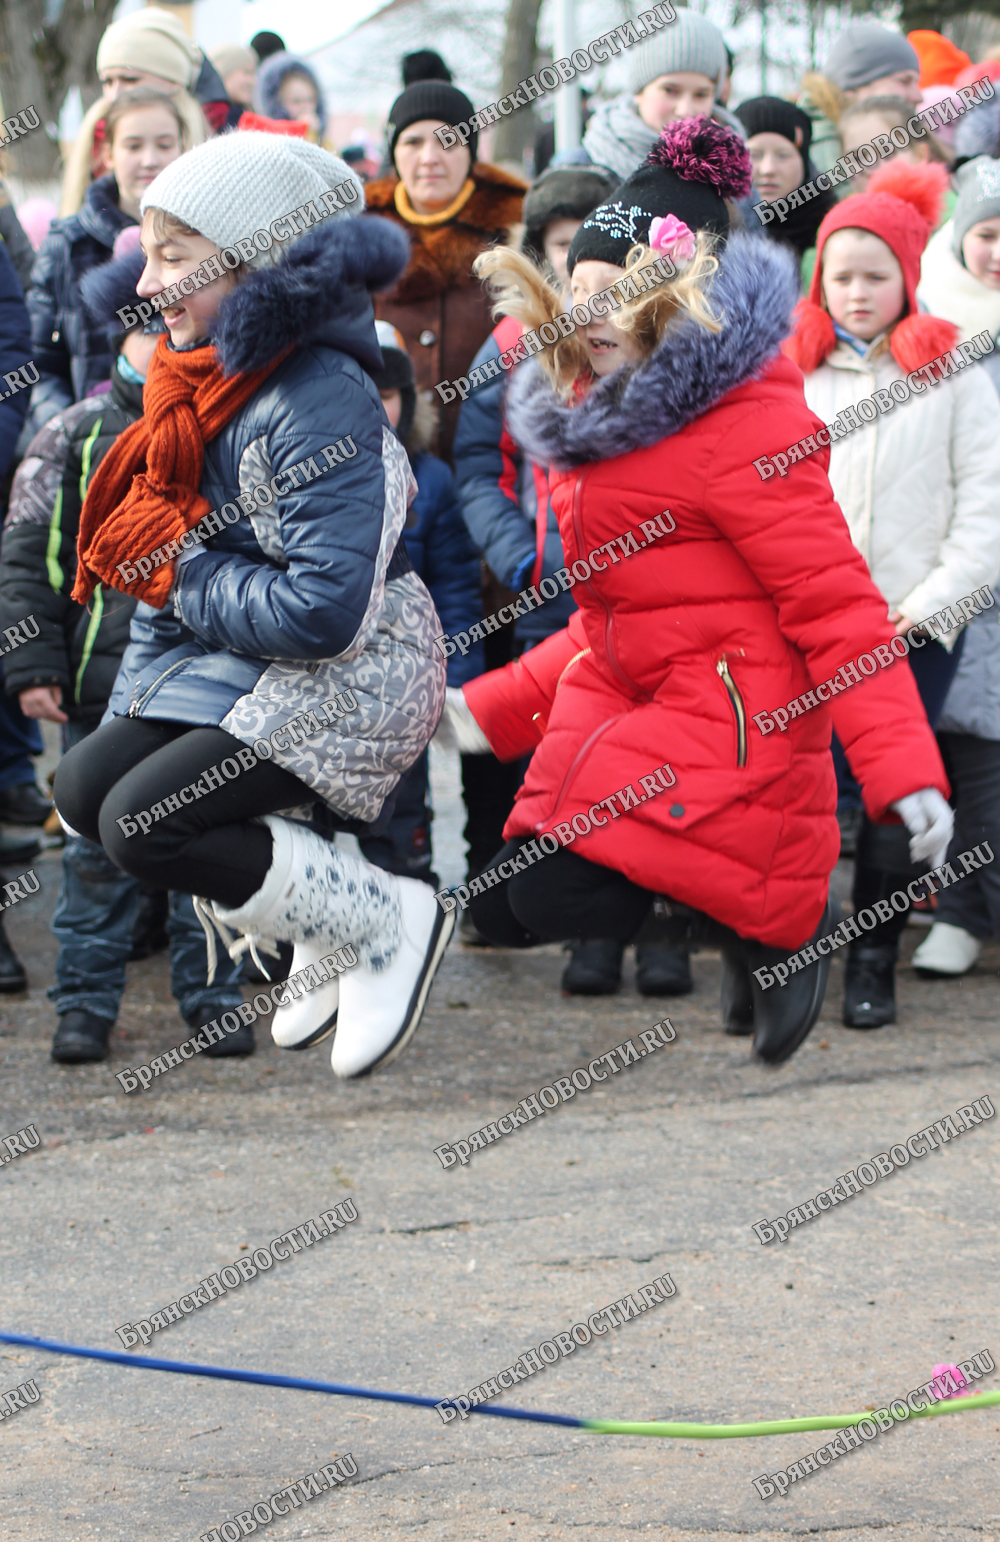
[458, 729]
[930, 822]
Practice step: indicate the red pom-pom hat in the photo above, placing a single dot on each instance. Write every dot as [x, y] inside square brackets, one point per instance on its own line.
[901, 206]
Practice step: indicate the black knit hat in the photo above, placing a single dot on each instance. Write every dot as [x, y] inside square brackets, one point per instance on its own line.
[561, 193]
[425, 64]
[429, 99]
[773, 115]
[695, 165]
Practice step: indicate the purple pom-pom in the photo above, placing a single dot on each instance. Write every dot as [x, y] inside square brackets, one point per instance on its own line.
[701, 150]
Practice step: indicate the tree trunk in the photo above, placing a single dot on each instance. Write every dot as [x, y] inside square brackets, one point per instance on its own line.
[38, 65]
[517, 132]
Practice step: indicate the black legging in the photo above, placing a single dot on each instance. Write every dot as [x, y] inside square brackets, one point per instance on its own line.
[562, 895]
[209, 846]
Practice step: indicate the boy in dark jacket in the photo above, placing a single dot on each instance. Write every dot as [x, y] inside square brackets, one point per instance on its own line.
[442, 554]
[66, 674]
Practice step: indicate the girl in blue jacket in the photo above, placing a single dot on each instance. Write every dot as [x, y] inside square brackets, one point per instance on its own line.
[282, 655]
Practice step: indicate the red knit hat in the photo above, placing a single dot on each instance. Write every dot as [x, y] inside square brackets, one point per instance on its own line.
[902, 205]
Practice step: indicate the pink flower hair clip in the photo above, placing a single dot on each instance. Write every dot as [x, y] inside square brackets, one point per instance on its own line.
[672, 236]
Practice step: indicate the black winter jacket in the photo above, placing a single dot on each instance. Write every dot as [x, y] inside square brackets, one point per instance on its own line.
[68, 347]
[78, 647]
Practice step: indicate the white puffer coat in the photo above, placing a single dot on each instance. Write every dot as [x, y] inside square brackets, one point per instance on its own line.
[919, 487]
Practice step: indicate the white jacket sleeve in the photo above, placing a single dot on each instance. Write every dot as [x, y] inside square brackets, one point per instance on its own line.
[970, 552]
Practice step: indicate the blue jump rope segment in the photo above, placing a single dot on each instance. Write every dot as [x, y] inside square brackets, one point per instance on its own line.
[267, 1379]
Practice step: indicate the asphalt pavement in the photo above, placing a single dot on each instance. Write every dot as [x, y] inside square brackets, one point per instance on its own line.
[448, 1276]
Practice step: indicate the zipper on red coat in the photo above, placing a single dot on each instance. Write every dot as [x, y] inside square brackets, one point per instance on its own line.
[609, 642]
[739, 708]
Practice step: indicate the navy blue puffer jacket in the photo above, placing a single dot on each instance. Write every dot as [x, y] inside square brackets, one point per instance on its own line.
[69, 348]
[311, 591]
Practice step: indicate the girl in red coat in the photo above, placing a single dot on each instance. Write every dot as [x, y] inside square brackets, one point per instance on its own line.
[754, 596]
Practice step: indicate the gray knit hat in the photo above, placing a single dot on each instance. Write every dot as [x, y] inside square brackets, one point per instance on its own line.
[690, 44]
[231, 187]
[978, 199]
[865, 51]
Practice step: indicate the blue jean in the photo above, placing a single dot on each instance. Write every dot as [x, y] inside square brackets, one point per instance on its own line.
[93, 924]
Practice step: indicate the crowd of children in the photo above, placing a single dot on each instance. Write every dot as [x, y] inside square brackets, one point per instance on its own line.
[419, 514]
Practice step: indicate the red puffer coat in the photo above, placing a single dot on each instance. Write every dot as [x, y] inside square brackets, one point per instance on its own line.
[755, 596]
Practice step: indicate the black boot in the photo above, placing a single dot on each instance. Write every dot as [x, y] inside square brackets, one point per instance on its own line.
[595, 968]
[784, 1014]
[12, 975]
[662, 970]
[239, 1042]
[736, 996]
[24, 804]
[870, 985]
[81, 1037]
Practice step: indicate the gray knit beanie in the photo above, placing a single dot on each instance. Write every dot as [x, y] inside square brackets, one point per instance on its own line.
[691, 44]
[978, 199]
[865, 51]
[231, 187]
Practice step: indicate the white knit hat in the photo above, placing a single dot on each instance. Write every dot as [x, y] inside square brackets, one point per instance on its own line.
[152, 40]
[240, 183]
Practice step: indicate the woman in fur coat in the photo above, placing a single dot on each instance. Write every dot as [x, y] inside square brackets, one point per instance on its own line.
[754, 596]
[287, 664]
[452, 207]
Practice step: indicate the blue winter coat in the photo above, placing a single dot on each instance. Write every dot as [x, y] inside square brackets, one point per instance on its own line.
[69, 348]
[308, 595]
[496, 488]
[443, 555]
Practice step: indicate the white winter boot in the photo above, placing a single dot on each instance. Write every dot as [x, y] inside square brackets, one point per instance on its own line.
[320, 898]
[947, 949]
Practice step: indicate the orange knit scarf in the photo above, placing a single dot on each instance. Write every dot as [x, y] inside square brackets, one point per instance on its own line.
[145, 491]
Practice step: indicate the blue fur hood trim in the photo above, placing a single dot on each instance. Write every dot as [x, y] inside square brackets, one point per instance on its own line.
[754, 292]
[317, 293]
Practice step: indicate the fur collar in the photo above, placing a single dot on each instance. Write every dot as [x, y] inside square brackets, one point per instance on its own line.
[442, 256]
[99, 214]
[317, 293]
[754, 291]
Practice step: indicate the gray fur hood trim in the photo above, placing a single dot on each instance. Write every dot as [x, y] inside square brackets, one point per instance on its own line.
[754, 291]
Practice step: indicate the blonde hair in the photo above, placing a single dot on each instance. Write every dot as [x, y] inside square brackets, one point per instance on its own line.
[519, 289]
[79, 171]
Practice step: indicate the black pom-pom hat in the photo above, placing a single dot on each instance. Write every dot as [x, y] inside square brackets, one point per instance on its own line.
[695, 165]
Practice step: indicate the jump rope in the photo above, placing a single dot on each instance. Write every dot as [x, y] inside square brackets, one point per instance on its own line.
[657, 1427]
